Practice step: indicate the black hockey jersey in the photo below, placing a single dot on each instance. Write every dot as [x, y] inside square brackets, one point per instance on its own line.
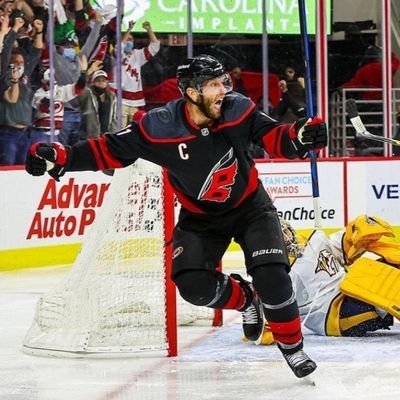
[209, 167]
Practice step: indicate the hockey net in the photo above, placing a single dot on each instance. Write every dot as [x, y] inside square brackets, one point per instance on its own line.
[117, 297]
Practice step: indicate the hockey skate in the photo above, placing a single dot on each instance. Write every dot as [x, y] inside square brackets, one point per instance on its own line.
[252, 312]
[300, 363]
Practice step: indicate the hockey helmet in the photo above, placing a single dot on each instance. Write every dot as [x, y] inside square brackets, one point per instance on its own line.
[197, 70]
[294, 248]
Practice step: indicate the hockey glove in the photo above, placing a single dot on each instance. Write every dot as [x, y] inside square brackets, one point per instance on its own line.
[50, 157]
[308, 134]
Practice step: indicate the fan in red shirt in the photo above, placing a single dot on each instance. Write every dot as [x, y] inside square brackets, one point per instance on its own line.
[369, 75]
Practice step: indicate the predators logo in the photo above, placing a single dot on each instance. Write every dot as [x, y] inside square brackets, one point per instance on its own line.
[327, 262]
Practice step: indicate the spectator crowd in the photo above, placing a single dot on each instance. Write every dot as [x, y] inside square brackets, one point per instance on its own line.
[76, 98]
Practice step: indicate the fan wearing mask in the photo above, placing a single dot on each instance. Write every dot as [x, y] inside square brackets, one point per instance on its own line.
[98, 107]
[67, 71]
[132, 62]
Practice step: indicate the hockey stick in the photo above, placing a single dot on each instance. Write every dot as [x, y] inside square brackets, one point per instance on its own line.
[310, 111]
[361, 130]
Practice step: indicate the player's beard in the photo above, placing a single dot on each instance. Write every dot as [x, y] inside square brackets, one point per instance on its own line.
[205, 106]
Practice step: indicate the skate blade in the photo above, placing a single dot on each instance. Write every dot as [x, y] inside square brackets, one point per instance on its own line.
[309, 380]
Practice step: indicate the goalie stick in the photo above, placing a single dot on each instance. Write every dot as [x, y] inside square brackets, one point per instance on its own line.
[361, 130]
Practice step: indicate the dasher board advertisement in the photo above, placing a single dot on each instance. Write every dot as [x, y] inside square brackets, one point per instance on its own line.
[222, 16]
[289, 186]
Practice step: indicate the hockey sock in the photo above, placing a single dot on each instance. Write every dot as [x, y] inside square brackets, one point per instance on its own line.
[288, 335]
[273, 285]
[237, 299]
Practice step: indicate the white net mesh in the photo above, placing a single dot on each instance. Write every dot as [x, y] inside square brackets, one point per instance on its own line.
[113, 299]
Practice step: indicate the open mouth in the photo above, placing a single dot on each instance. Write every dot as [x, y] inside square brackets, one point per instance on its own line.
[218, 103]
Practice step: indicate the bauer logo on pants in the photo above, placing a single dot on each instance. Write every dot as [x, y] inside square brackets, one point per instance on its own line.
[266, 251]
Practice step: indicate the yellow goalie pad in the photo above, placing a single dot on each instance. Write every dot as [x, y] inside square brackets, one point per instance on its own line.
[375, 283]
[363, 231]
[390, 251]
[265, 339]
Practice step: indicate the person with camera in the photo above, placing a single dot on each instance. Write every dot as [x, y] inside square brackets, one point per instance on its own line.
[15, 105]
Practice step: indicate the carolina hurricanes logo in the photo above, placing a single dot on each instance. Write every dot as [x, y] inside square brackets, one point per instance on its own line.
[327, 262]
[218, 185]
[58, 107]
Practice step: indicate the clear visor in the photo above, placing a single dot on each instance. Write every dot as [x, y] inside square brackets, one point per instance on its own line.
[217, 85]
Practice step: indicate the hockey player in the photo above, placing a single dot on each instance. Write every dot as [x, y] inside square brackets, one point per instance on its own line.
[203, 140]
[342, 288]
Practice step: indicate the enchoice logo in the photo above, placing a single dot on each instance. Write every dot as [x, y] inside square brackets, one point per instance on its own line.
[69, 196]
[304, 214]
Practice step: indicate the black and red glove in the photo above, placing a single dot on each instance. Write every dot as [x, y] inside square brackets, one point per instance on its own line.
[308, 134]
[50, 157]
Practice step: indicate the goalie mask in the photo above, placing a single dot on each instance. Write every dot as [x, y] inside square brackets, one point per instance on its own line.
[293, 247]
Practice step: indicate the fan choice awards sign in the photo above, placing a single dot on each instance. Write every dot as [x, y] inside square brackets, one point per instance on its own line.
[289, 185]
[217, 16]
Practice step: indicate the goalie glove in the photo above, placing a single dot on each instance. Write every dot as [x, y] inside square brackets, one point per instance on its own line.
[308, 134]
[50, 157]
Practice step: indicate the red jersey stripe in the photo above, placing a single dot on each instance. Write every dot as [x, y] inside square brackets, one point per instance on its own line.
[104, 158]
[132, 95]
[109, 160]
[272, 141]
[96, 154]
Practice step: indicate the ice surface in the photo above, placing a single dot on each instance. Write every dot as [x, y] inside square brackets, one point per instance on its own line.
[213, 363]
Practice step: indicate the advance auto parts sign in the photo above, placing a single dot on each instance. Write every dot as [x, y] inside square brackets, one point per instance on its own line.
[53, 217]
[219, 16]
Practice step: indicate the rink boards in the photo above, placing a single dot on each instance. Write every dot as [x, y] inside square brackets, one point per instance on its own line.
[45, 221]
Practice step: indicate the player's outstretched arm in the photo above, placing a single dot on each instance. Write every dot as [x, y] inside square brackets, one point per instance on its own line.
[294, 140]
[108, 151]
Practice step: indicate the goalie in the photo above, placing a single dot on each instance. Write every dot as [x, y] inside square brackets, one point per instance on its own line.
[347, 283]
